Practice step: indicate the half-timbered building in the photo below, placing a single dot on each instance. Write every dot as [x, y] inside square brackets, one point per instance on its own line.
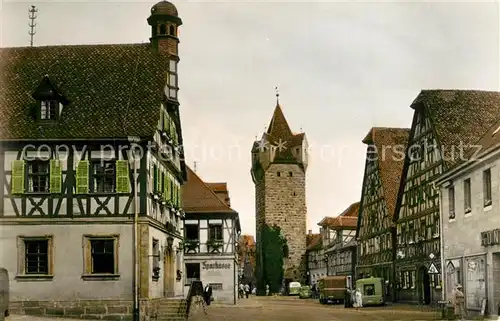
[340, 232]
[375, 231]
[211, 234]
[316, 263]
[90, 140]
[445, 124]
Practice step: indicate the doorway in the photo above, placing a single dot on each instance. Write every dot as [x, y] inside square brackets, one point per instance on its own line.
[425, 286]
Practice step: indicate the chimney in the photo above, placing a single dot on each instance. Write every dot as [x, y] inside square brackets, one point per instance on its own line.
[310, 232]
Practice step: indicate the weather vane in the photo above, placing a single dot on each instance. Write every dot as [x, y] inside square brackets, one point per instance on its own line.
[32, 23]
[194, 167]
[277, 95]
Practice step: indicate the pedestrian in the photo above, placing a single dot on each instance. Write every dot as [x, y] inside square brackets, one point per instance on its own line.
[347, 298]
[207, 294]
[247, 290]
[241, 291]
[459, 302]
[358, 299]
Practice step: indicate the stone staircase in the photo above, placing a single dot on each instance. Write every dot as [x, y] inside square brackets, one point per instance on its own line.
[172, 310]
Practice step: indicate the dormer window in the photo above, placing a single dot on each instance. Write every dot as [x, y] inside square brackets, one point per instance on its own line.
[50, 101]
[49, 109]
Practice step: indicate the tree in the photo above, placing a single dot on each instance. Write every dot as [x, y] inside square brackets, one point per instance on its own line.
[270, 258]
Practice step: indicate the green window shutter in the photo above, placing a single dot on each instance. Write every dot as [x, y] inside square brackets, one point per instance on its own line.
[17, 184]
[166, 124]
[82, 177]
[172, 128]
[55, 176]
[158, 180]
[155, 179]
[122, 177]
[167, 188]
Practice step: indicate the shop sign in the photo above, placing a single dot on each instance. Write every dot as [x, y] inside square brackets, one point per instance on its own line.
[489, 238]
[215, 266]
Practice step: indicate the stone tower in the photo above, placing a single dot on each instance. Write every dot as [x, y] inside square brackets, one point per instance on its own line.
[279, 163]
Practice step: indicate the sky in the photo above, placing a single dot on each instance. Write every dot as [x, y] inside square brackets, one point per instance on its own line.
[341, 68]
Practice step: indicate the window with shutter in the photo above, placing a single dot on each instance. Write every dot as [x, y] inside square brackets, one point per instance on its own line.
[155, 179]
[168, 188]
[38, 176]
[17, 183]
[82, 177]
[55, 176]
[122, 177]
[103, 176]
[158, 180]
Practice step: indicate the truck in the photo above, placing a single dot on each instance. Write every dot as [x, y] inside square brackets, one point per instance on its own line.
[333, 288]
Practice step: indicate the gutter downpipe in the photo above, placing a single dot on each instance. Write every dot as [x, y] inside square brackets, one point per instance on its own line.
[441, 240]
[135, 256]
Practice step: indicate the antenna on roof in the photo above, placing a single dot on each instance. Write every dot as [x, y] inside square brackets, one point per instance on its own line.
[194, 166]
[32, 23]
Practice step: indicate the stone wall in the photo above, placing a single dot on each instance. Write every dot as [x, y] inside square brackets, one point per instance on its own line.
[150, 309]
[281, 200]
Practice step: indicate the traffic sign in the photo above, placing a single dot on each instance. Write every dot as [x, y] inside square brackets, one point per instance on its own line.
[432, 269]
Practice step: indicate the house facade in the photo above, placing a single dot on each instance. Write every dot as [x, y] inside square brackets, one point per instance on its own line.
[375, 231]
[316, 261]
[279, 164]
[85, 154]
[471, 224]
[340, 249]
[444, 122]
[211, 234]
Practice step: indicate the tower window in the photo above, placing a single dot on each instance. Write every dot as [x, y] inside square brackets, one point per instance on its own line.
[290, 174]
[163, 30]
[279, 174]
[172, 30]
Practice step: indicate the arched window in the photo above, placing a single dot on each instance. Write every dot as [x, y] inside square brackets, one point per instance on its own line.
[163, 30]
[172, 30]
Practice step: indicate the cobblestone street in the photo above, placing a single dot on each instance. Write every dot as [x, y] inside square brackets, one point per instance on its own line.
[294, 309]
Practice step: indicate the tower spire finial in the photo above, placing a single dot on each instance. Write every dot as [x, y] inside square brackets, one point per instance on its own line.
[277, 95]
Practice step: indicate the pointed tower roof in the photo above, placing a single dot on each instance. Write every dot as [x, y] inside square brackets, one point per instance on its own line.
[278, 127]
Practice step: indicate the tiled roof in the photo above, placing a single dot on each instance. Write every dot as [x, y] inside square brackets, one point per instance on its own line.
[247, 240]
[313, 242]
[197, 197]
[220, 189]
[489, 140]
[460, 117]
[390, 164]
[347, 219]
[279, 131]
[114, 91]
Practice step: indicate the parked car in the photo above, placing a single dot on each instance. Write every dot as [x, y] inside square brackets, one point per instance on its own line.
[4, 292]
[305, 292]
[294, 288]
[333, 288]
[372, 290]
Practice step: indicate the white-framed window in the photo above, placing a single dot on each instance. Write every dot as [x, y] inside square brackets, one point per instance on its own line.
[451, 202]
[467, 196]
[487, 187]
